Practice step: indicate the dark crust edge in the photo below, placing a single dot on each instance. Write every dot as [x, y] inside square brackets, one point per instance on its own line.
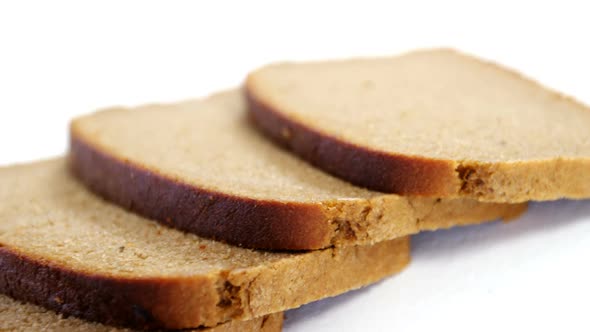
[115, 301]
[375, 170]
[240, 221]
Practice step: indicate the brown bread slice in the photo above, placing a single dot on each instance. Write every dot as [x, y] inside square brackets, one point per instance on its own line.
[200, 167]
[433, 122]
[23, 317]
[67, 250]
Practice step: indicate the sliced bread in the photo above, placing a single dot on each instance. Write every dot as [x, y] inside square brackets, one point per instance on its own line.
[199, 166]
[434, 122]
[16, 316]
[67, 250]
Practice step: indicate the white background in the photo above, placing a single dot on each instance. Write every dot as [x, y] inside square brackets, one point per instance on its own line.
[59, 59]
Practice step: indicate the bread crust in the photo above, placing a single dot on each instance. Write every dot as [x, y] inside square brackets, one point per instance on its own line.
[236, 220]
[137, 303]
[17, 316]
[503, 182]
[267, 224]
[359, 165]
[506, 182]
[207, 300]
[115, 301]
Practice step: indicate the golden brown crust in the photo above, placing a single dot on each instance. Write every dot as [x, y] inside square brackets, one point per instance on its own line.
[236, 220]
[197, 301]
[522, 181]
[52, 254]
[548, 178]
[147, 303]
[393, 173]
[23, 317]
[510, 182]
[265, 224]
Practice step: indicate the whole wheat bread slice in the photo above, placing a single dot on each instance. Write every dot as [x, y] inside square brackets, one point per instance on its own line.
[200, 166]
[433, 122]
[16, 316]
[67, 250]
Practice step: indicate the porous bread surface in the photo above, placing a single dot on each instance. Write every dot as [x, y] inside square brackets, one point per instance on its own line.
[210, 147]
[449, 108]
[16, 316]
[47, 214]
[63, 248]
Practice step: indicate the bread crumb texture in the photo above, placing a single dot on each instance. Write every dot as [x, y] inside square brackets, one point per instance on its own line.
[224, 180]
[499, 136]
[63, 248]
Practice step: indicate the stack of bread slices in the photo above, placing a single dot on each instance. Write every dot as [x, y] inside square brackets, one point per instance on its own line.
[220, 213]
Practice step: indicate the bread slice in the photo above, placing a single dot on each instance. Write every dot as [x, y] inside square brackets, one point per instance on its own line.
[65, 249]
[433, 122]
[199, 166]
[23, 317]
